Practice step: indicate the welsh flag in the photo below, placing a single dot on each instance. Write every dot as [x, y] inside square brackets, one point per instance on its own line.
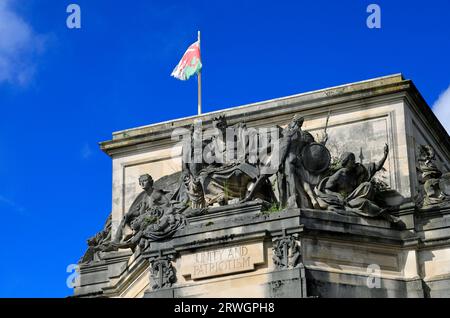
[189, 64]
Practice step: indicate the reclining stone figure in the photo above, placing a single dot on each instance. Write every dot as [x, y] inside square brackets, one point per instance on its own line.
[350, 190]
[152, 216]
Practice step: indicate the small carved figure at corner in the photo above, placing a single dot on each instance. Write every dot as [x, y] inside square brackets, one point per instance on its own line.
[98, 243]
[286, 252]
[352, 190]
[276, 284]
[195, 192]
[436, 185]
[162, 272]
[294, 253]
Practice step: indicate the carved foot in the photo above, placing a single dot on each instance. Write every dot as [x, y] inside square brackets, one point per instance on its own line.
[316, 205]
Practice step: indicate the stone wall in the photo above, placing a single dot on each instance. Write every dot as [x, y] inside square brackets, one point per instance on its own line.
[338, 253]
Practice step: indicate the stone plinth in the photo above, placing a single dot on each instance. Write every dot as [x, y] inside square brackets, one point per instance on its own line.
[338, 254]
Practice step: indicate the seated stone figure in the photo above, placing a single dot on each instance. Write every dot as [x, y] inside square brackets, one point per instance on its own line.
[436, 185]
[350, 189]
[145, 203]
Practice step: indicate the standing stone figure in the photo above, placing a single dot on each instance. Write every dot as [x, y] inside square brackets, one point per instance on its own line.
[217, 146]
[293, 180]
[195, 192]
[290, 146]
[192, 162]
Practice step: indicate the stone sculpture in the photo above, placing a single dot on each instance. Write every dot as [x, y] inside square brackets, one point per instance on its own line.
[300, 163]
[151, 217]
[232, 173]
[293, 178]
[143, 206]
[351, 190]
[162, 272]
[286, 252]
[436, 185]
[98, 243]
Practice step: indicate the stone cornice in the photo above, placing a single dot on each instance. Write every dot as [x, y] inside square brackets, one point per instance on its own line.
[310, 104]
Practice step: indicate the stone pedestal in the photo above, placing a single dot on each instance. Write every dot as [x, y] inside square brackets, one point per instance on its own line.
[340, 256]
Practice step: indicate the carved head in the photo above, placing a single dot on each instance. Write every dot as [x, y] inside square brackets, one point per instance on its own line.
[297, 121]
[146, 181]
[220, 123]
[426, 153]
[348, 159]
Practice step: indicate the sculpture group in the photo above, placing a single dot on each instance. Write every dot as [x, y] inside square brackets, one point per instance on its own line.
[286, 168]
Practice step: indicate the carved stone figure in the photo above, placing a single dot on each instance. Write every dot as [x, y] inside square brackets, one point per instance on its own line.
[238, 175]
[226, 174]
[436, 185]
[144, 206]
[217, 146]
[299, 165]
[98, 243]
[195, 192]
[162, 272]
[151, 217]
[192, 162]
[171, 220]
[286, 252]
[351, 189]
[291, 144]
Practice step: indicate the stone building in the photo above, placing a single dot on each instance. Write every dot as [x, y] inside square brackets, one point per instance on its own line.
[357, 203]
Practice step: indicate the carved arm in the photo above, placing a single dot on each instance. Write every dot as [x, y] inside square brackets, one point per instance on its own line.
[380, 164]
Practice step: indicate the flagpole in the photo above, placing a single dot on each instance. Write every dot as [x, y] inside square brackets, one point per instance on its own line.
[199, 78]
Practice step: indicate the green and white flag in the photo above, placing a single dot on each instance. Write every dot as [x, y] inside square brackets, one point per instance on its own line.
[189, 64]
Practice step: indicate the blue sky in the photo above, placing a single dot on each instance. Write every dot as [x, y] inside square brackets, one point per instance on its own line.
[63, 90]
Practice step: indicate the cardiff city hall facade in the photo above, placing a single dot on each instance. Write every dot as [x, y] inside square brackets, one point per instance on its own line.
[341, 192]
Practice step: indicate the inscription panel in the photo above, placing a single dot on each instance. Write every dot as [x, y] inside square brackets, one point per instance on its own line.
[222, 261]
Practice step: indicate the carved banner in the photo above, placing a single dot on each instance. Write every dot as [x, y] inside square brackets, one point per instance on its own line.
[224, 261]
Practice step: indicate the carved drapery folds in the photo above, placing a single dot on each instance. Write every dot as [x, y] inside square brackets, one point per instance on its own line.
[435, 184]
[283, 167]
[352, 190]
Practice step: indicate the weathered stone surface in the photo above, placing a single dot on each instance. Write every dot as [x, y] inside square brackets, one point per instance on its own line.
[222, 261]
[297, 251]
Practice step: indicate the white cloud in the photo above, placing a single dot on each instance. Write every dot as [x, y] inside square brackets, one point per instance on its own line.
[86, 152]
[19, 45]
[442, 109]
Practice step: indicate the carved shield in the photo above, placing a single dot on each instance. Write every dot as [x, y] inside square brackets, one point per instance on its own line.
[444, 184]
[316, 158]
